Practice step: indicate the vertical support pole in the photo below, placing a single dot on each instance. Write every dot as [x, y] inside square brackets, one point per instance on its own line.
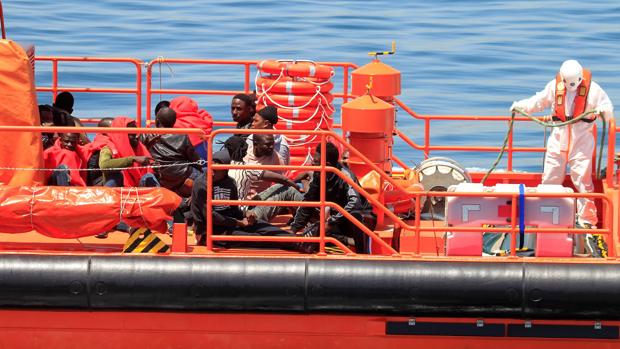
[322, 195]
[54, 79]
[179, 238]
[209, 198]
[139, 93]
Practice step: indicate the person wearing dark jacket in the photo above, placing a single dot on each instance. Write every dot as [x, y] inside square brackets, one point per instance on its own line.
[167, 149]
[229, 219]
[341, 193]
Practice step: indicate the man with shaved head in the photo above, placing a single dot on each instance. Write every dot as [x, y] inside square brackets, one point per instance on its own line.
[169, 149]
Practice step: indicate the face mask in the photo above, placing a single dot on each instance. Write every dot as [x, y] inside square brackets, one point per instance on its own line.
[571, 73]
[572, 84]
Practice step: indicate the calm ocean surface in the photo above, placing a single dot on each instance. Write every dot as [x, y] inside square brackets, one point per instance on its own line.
[456, 57]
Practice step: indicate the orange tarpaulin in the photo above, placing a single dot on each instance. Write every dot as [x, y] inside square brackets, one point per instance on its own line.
[72, 212]
[18, 107]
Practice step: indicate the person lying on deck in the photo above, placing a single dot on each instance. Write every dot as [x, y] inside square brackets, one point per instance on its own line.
[229, 219]
[341, 193]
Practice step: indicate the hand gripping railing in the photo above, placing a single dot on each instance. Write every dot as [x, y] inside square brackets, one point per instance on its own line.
[426, 147]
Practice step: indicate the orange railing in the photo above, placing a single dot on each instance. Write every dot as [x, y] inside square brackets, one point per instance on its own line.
[426, 146]
[248, 83]
[137, 91]
[322, 203]
[417, 228]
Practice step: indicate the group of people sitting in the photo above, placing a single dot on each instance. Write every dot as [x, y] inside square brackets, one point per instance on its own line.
[118, 159]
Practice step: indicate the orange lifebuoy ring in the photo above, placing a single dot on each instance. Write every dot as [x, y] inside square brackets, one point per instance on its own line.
[304, 113]
[297, 100]
[297, 69]
[290, 86]
[310, 122]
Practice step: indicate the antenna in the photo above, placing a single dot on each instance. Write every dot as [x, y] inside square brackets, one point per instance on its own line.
[393, 51]
[2, 21]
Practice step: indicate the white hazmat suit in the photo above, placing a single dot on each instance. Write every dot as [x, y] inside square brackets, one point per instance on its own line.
[573, 144]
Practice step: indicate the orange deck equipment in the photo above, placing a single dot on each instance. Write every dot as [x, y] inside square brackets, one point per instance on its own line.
[385, 80]
[18, 107]
[369, 121]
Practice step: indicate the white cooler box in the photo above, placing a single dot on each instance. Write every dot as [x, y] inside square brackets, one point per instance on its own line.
[539, 212]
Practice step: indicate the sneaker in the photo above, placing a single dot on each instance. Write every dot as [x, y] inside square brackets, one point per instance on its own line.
[309, 247]
[596, 246]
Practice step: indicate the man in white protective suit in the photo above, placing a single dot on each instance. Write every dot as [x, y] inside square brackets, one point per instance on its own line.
[569, 95]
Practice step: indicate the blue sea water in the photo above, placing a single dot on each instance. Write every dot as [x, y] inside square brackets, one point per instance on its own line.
[456, 57]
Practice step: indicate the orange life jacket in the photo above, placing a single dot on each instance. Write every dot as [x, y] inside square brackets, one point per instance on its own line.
[579, 106]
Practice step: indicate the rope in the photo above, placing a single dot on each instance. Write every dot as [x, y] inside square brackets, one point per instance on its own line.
[538, 121]
[199, 162]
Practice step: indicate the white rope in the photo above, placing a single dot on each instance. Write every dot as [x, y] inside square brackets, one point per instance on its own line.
[199, 162]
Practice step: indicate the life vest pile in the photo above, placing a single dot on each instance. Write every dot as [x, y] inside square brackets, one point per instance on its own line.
[301, 92]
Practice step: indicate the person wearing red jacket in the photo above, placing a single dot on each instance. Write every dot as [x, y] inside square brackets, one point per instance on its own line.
[66, 156]
[125, 151]
[189, 116]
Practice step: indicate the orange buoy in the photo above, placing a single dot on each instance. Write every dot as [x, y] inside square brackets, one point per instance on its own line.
[301, 92]
[290, 85]
[298, 100]
[296, 68]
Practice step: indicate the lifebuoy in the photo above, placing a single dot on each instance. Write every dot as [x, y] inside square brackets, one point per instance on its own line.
[304, 113]
[290, 100]
[297, 69]
[311, 122]
[288, 85]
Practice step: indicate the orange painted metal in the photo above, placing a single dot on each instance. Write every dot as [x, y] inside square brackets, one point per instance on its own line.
[247, 86]
[378, 77]
[18, 106]
[136, 329]
[369, 123]
[137, 91]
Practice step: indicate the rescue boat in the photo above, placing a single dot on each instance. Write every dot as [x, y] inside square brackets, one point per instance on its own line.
[431, 278]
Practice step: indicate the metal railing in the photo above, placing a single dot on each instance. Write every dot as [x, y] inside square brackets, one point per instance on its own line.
[248, 83]
[137, 91]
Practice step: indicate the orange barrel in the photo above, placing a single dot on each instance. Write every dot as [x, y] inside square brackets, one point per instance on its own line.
[369, 123]
[385, 80]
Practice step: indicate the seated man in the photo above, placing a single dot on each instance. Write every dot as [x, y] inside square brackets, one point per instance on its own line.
[92, 151]
[160, 105]
[341, 193]
[229, 220]
[47, 119]
[265, 119]
[169, 149]
[242, 109]
[262, 151]
[65, 156]
[63, 109]
[257, 184]
[125, 151]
